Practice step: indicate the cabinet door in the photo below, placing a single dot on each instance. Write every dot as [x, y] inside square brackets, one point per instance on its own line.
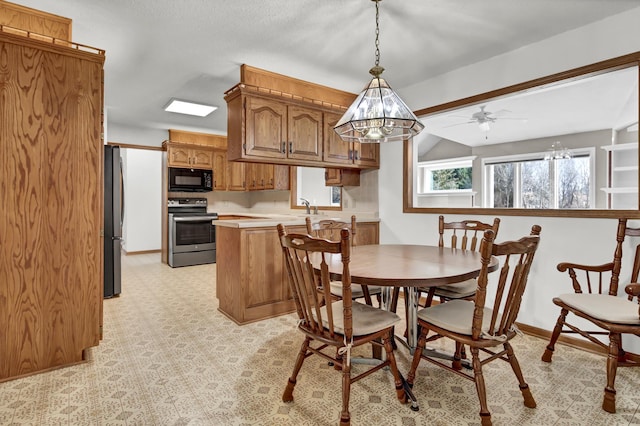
[266, 124]
[335, 149]
[366, 154]
[304, 132]
[220, 170]
[255, 173]
[178, 156]
[201, 159]
[332, 177]
[237, 176]
[281, 177]
[367, 233]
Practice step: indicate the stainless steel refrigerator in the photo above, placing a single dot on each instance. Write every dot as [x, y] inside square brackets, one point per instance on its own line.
[113, 218]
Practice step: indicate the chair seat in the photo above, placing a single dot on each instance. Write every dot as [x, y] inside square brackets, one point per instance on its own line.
[356, 290]
[603, 307]
[458, 290]
[366, 319]
[455, 316]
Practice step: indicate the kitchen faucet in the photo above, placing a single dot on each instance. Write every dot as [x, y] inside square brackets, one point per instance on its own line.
[306, 204]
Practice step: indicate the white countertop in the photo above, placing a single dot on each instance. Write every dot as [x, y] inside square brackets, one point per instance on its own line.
[260, 220]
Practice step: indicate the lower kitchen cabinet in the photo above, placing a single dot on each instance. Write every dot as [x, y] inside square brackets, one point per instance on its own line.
[251, 277]
[251, 280]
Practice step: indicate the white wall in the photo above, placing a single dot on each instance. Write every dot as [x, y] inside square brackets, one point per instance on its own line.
[563, 239]
[142, 196]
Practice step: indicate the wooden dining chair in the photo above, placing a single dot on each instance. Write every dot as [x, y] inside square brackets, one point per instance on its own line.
[463, 235]
[330, 229]
[484, 327]
[596, 301]
[343, 324]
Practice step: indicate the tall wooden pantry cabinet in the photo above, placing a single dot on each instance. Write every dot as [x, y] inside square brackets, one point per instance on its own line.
[51, 202]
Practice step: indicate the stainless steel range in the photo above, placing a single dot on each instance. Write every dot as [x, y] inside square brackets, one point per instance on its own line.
[192, 235]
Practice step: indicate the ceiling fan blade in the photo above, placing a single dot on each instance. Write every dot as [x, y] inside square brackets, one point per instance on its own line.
[458, 124]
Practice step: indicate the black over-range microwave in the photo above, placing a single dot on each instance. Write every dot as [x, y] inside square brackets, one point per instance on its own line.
[190, 180]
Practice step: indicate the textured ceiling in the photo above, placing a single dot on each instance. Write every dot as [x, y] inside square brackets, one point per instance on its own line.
[193, 49]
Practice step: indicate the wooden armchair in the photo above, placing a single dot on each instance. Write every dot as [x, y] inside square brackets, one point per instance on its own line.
[483, 327]
[595, 300]
[330, 229]
[341, 325]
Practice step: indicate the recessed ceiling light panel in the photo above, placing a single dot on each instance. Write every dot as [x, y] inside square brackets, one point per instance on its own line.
[189, 108]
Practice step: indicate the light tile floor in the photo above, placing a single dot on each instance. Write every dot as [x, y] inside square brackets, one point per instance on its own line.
[170, 358]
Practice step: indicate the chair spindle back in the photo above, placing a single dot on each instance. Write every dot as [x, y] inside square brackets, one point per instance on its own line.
[516, 258]
[307, 286]
[470, 230]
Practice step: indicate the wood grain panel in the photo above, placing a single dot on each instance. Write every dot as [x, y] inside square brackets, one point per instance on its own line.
[195, 138]
[35, 21]
[51, 182]
[262, 78]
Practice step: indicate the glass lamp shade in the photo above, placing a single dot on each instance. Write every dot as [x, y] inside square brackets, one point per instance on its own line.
[378, 115]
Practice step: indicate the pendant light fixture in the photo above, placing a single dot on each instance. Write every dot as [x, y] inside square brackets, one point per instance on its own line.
[378, 114]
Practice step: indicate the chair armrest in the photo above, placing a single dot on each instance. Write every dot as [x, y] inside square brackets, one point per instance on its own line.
[586, 272]
[564, 266]
[633, 289]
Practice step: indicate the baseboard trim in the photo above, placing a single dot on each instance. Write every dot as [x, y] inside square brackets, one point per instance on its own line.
[573, 342]
[133, 253]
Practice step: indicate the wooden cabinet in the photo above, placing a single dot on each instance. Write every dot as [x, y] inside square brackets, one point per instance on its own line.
[257, 176]
[251, 278]
[342, 177]
[51, 166]
[188, 156]
[220, 171]
[251, 281]
[281, 120]
[338, 151]
[275, 129]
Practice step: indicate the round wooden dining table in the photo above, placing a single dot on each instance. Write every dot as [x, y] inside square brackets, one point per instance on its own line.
[409, 266]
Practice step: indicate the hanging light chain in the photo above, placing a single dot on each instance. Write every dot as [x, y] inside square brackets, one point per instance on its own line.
[377, 69]
[377, 35]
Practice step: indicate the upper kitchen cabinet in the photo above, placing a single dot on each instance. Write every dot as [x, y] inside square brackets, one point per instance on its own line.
[281, 120]
[338, 151]
[194, 150]
[191, 157]
[276, 130]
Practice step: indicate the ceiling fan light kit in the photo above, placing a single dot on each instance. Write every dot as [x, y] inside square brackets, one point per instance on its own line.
[378, 114]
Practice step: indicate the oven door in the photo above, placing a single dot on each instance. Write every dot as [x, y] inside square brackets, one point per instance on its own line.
[191, 233]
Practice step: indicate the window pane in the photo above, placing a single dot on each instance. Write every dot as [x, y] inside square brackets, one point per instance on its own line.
[503, 185]
[573, 183]
[536, 186]
[448, 179]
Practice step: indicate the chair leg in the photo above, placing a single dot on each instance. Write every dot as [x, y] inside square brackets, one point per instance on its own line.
[524, 387]
[609, 401]
[402, 396]
[422, 341]
[345, 416]
[548, 352]
[485, 415]
[287, 396]
[457, 356]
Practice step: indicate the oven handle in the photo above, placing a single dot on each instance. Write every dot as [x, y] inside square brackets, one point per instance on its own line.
[194, 218]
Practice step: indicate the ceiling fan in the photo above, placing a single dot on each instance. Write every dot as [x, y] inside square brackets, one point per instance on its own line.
[484, 118]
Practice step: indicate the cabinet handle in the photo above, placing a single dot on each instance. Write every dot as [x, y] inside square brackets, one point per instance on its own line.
[290, 147]
[355, 155]
[283, 147]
